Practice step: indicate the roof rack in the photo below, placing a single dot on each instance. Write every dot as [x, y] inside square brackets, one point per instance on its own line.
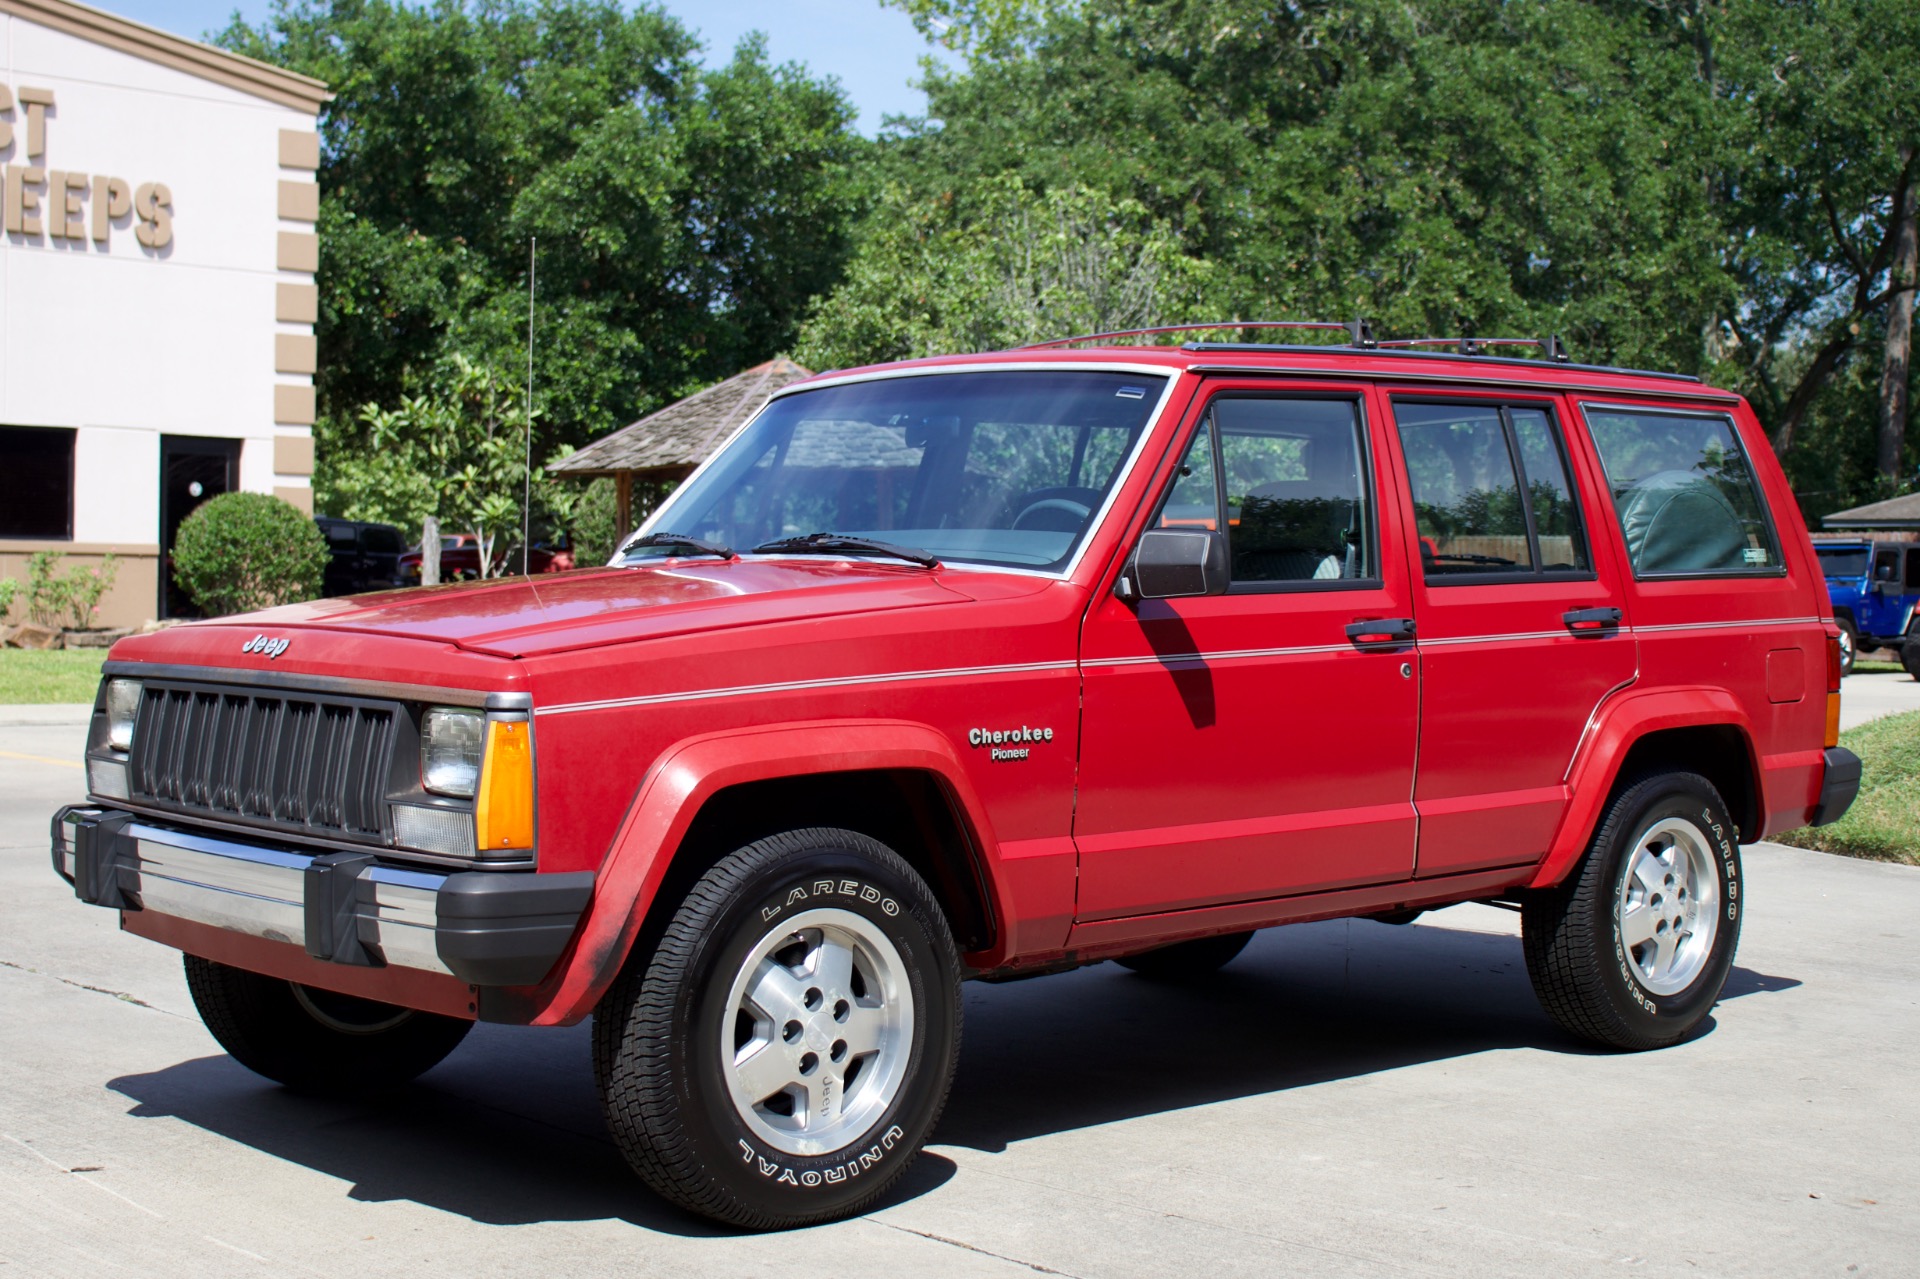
[1359, 334]
[1551, 347]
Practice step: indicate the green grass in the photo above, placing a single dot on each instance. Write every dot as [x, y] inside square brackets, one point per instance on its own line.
[1884, 822]
[1861, 666]
[56, 676]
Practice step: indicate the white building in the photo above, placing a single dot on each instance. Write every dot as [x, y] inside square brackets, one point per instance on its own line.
[156, 289]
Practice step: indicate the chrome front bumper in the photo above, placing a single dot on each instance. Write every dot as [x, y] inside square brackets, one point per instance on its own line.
[489, 928]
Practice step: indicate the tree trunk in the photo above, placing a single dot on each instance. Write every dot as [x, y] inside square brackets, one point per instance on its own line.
[1899, 353]
[430, 553]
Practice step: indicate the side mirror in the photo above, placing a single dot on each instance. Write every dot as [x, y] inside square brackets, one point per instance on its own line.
[1175, 563]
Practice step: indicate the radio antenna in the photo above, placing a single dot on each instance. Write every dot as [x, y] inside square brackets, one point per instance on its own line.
[526, 504]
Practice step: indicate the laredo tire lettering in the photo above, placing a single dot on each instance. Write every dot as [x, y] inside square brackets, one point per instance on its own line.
[833, 888]
[665, 1036]
[1577, 957]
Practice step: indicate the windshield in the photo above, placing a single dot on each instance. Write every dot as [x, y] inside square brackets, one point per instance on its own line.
[1843, 561]
[990, 468]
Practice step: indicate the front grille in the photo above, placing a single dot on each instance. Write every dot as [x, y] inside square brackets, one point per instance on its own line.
[302, 762]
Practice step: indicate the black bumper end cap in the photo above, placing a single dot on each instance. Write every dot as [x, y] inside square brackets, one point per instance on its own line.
[1840, 785]
[498, 929]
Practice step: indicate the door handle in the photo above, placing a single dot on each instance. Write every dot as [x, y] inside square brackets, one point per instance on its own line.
[1382, 630]
[1590, 619]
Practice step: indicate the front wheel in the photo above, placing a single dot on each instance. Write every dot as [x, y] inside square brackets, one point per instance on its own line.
[316, 1040]
[1633, 950]
[1910, 653]
[785, 1050]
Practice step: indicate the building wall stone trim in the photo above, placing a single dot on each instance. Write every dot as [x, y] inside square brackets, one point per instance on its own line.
[300, 497]
[295, 353]
[293, 455]
[299, 148]
[296, 303]
[298, 251]
[293, 404]
[299, 201]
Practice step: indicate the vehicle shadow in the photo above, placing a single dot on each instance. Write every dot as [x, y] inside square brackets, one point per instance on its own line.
[508, 1131]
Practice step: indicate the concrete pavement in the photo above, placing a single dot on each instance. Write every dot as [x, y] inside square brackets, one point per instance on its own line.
[1865, 697]
[1346, 1098]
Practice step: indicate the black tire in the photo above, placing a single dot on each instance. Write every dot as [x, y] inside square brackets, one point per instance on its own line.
[1188, 960]
[1584, 972]
[658, 1035]
[1910, 654]
[1849, 644]
[315, 1040]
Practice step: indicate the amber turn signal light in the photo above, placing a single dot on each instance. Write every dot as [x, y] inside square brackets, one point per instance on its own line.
[503, 809]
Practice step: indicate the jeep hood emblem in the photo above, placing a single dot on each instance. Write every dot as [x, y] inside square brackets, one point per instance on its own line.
[266, 644]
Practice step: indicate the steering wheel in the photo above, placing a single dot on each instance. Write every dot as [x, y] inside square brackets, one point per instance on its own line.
[1065, 501]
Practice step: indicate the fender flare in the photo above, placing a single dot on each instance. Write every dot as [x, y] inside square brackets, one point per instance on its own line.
[1596, 763]
[680, 781]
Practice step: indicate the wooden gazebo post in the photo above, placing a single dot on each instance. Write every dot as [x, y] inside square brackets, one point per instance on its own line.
[622, 504]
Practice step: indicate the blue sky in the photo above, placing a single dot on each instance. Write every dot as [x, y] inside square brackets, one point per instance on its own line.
[874, 51]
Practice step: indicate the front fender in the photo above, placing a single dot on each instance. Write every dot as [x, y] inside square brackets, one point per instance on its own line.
[1617, 725]
[684, 777]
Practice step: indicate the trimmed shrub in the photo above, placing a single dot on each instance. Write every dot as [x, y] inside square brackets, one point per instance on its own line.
[243, 551]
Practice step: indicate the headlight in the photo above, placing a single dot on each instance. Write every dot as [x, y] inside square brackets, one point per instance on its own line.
[450, 751]
[123, 704]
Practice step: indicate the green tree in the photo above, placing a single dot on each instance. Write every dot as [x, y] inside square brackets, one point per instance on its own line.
[685, 218]
[457, 453]
[1012, 266]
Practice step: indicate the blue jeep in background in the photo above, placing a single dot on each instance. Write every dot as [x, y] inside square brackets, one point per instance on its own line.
[1874, 587]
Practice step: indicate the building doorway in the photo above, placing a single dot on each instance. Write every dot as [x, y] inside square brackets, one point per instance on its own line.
[192, 469]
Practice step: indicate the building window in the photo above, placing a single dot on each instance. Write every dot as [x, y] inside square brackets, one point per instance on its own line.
[38, 464]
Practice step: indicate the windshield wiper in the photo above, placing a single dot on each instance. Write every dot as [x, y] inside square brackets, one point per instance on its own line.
[678, 539]
[827, 543]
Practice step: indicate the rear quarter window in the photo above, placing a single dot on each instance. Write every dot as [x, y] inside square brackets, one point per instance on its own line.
[1684, 492]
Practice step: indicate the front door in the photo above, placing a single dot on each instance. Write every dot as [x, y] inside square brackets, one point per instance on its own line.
[1521, 624]
[1246, 746]
[192, 469]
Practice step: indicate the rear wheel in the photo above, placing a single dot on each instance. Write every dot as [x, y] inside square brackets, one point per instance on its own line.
[316, 1040]
[1188, 960]
[785, 1050]
[1849, 644]
[1632, 951]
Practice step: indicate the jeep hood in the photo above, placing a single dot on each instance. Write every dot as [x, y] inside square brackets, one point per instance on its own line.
[555, 612]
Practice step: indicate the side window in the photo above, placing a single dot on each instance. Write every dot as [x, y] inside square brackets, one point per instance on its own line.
[1684, 493]
[1290, 475]
[1913, 571]
[1491, 491]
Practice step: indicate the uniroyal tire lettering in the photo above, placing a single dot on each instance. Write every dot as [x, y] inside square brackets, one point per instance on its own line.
[780, 1174]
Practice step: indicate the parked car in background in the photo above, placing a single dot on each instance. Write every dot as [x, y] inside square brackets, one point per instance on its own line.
[460, 560]
[363, 556]
[1874, 587]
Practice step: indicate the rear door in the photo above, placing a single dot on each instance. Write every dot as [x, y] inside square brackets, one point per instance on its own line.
[1521, 623]
[1245, 746]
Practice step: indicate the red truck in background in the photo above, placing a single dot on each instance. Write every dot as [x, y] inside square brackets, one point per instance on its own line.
[989, 666]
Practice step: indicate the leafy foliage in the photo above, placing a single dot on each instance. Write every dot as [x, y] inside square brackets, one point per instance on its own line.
[457, 453]
[244, 551]
[53, 596]
[1011, 266]
[684, 218]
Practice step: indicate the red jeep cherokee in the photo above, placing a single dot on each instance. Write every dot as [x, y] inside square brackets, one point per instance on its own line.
[981, 667]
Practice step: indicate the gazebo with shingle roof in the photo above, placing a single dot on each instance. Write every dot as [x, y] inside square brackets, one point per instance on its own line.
[1894, 513]
[667, 445]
